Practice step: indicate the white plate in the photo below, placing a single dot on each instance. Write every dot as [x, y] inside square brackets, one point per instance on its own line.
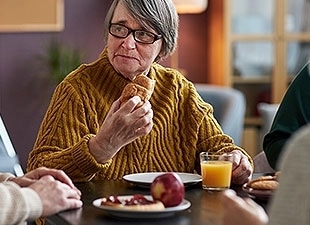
[146, 179]
[125, 213]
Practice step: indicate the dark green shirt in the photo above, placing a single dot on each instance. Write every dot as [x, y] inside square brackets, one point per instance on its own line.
[293, 113]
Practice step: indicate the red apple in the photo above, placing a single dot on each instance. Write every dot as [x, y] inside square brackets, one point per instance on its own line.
[168, 188]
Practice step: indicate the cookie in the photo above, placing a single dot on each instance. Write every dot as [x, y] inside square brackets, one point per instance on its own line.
[265, 185]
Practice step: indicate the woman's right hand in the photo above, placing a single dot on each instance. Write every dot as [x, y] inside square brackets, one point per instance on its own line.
[55, 195]
[121, 126]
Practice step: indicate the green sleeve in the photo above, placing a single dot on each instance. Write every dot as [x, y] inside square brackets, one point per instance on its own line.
[293, 113]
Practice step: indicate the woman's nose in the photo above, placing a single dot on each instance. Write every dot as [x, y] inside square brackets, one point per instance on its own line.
[129, 42]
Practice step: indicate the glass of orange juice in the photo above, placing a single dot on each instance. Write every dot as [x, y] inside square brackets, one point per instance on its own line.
[215, 171]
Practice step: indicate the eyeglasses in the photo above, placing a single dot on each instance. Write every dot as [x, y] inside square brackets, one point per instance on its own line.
[141, 36]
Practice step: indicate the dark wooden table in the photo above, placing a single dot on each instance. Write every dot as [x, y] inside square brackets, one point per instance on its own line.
[205, 207]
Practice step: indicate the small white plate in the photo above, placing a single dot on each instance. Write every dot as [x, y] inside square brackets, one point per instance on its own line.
[125, 213]
[146, 179]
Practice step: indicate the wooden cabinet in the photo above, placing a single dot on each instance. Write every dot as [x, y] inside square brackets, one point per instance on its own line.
[267, 42]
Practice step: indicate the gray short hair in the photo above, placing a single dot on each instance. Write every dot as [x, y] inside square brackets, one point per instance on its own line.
[159, 15]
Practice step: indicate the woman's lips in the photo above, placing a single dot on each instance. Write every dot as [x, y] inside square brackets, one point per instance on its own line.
[128, 57]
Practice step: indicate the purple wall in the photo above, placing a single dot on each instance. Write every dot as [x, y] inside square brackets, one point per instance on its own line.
[25, 88]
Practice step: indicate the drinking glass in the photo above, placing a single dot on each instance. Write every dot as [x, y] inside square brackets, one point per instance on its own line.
[215, 171]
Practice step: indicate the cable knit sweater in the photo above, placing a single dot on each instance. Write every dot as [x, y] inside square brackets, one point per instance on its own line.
[183, 126]
[17, 205]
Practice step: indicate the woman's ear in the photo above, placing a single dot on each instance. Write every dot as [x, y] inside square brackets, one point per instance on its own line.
[160, 56]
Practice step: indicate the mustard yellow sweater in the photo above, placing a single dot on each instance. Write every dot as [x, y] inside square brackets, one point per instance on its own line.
[184, 125]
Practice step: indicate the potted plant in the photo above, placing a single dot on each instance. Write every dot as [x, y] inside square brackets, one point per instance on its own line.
[61, 60]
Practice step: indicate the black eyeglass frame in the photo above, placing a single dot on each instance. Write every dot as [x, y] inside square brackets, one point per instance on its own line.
[129, 31]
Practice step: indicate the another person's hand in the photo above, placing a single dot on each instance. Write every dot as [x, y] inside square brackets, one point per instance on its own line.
[238, 211]
[34, 175]
[121, 126]
[55, 195]
[242, 168]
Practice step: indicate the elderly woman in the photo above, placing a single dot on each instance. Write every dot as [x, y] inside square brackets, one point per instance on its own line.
[89, 134]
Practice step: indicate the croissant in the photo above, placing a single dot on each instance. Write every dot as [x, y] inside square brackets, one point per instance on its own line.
[141, 86]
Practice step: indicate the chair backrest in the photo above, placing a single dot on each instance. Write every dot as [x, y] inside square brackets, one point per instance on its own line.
[261, 164]
[229, 108]
[9, 161]
[267, 112]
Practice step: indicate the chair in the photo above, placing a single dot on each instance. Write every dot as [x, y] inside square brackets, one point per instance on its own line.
[261, 164]
[267, 112]
[229, 108]
[9, 162]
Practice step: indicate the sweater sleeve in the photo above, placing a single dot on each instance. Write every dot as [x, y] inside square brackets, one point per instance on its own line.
[18, 204]
[5, 176]
[62, 141]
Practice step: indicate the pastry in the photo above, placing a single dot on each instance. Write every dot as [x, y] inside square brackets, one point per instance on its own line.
[141, 86]
[136, 203]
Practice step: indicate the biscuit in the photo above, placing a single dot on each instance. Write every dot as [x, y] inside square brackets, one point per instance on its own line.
[265, 185]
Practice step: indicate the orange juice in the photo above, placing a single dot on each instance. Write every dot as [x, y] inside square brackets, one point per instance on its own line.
[216, 175]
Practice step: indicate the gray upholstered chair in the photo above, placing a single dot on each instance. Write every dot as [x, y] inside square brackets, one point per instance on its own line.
[9, 161]
[229, 108]
[267, 112]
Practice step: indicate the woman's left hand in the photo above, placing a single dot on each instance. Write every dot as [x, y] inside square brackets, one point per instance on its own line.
[242, 169]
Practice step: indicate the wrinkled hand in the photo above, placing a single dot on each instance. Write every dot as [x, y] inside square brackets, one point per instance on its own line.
[238, 211]
[121, 126]
[34, 175]
[55, 195]
[242, 168]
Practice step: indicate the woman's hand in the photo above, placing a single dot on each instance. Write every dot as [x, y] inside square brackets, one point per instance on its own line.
[242, 169]
[34, 175]
[55, 195]
[121, 126]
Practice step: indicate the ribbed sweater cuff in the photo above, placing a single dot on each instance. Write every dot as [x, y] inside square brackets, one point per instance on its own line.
[85, 161]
